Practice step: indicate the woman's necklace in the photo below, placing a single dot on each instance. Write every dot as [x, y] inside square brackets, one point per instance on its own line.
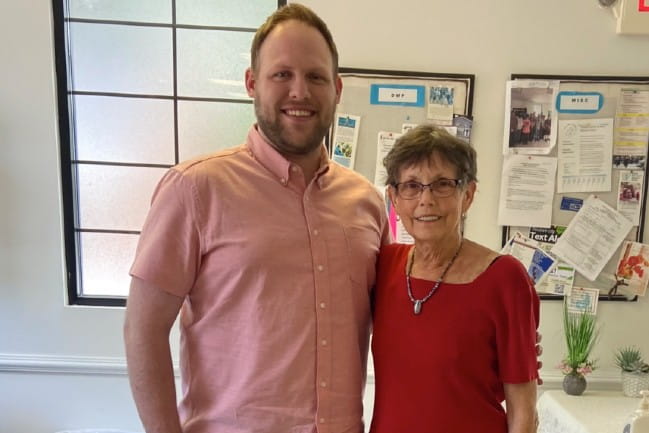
[418, 302]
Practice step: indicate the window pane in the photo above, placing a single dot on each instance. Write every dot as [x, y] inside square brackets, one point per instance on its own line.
[115, 198]
[126, 59]
[157, 11]
[226, 13]
[212, 63]
[124, 129]
[106, 259]
[205, 127]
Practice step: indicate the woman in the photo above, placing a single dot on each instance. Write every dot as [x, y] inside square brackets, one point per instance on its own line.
[454, 322]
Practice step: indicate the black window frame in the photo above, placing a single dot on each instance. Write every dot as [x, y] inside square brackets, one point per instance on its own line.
[69, 164]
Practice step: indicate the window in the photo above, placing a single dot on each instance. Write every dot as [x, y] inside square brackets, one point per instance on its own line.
[142, 86]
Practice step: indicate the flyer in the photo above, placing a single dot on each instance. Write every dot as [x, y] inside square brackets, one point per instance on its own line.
[633, 268]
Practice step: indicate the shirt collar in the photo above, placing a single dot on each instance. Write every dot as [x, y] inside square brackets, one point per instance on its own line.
[273, 161]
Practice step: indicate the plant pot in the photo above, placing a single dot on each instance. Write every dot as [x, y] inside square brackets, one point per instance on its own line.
[574, 384]
[633, 383]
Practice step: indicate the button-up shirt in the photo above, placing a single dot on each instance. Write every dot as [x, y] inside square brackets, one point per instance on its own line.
[276, 271]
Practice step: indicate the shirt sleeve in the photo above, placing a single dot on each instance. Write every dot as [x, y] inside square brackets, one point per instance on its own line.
[517, 318]
[169, 249]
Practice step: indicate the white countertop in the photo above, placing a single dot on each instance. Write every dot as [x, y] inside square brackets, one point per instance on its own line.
[591, 412]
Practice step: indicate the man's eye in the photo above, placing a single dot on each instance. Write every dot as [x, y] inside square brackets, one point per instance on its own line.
[411, 185]
[445, 183]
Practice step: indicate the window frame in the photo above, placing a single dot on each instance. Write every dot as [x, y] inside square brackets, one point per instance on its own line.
[69, 164]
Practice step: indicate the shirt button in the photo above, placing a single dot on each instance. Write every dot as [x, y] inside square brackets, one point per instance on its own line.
[282, 181]
[293, 168]
[323, 384]
[316, 232]
[320, 268]
[322, 305]
[324, 342]
[322, 420]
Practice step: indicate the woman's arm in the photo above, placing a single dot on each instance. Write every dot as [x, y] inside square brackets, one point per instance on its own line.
[521, 407]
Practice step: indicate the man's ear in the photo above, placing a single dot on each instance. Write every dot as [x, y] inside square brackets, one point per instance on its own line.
[250, 82]
[339, 88]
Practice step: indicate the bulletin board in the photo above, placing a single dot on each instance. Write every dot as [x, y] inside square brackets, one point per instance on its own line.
[384, 100]
[608, 87]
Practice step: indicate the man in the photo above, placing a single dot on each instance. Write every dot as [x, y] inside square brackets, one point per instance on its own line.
[268, 252]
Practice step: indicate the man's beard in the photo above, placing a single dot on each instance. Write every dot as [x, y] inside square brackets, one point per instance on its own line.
[279, 139]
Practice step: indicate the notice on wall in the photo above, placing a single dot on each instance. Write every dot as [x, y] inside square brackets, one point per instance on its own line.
[345, 139]
[585, 151]
[527, 190]
[592, 237]
[384, 144]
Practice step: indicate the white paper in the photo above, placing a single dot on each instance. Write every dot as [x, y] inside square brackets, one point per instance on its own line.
[529, 106]
[345, 139]
[384, 144]
[440, 105]
[561, 278]
[633, 268]
[629, 194]
[536, 261]
[632, 123]
[527, 190]
[582, 299]
[585, 152]
[592, 237]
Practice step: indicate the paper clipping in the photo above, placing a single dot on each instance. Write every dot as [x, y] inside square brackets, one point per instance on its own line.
[527, 190]
[592, 237]
[384, 144]
[629, 194]
[441, 101]
[346, 139]
[582, 299]
[560, 278]
[585, 152]
[530, 117]
[633, 267]
[631, 129]
[537, 262]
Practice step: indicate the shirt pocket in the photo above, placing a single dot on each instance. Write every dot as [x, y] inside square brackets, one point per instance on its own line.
[363, 245]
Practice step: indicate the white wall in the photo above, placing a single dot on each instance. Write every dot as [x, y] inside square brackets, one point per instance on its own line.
[80, 349]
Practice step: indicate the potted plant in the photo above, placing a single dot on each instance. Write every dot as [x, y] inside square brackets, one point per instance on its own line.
[580, 334]
[635, 371]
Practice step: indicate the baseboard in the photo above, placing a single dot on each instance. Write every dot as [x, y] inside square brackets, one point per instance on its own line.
[602, 379]
[64, 364]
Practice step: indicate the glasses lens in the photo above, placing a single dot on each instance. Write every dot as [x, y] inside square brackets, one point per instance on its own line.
[444, 187]
[409, 190]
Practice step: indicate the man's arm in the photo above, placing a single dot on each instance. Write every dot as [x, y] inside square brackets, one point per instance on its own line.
[150, 314]
[521, 407]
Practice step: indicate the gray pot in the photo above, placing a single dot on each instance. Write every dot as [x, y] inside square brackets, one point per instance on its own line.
[574, 384]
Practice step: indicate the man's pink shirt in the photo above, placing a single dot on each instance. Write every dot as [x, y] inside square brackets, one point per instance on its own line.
[276, 274]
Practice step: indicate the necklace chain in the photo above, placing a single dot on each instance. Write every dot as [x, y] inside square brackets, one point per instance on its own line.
[418, 302]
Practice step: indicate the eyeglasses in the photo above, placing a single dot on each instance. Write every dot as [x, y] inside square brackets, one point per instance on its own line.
[412, 189]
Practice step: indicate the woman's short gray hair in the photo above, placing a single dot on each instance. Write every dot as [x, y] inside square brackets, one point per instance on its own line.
[421, 143]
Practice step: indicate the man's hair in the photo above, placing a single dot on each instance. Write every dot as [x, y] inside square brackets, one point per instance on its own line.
[421, 143]
[297, 12]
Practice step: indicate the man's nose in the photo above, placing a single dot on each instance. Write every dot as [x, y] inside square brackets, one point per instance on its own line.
[299, 88]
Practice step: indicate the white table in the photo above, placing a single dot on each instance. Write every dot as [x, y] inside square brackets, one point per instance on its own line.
[591, 412]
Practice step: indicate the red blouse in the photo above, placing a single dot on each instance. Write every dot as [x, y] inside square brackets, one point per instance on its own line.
[444, 369]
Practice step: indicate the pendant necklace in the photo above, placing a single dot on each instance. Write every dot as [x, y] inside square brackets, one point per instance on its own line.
[418, 302]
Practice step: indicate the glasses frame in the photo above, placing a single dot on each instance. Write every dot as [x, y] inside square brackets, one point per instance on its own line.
[430, 186]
